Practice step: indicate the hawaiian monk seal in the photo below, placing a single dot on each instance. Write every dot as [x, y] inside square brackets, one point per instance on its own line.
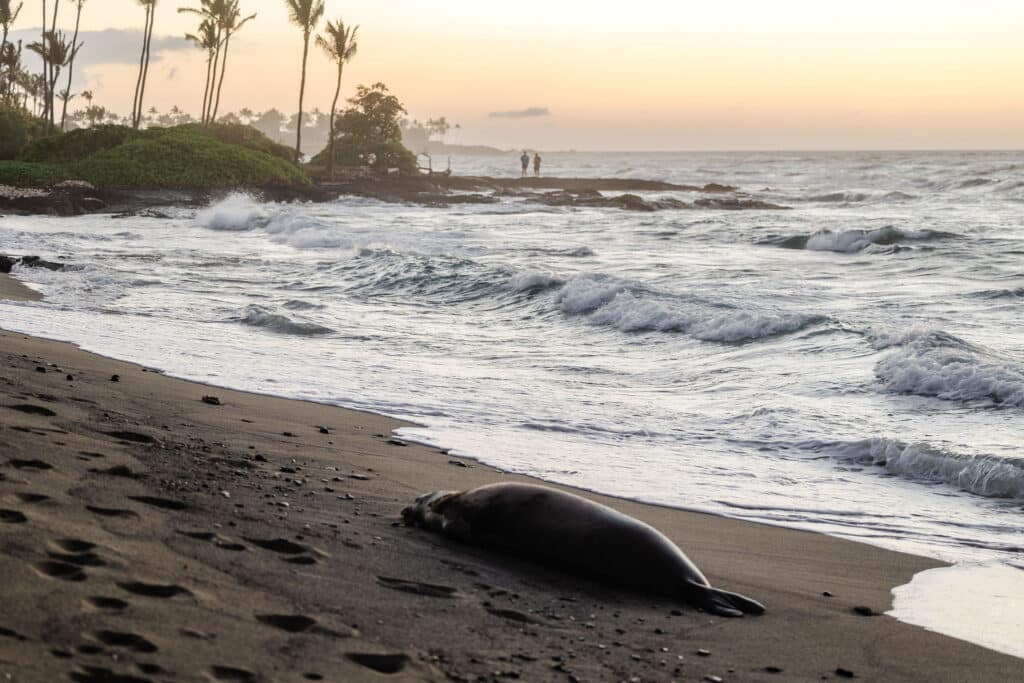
[570, 532]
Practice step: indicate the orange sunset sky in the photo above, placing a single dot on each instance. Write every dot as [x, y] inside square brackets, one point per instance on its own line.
[644, 74]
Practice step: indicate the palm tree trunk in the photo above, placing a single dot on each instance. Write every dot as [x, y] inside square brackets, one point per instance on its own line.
[145, 72]
[138, 81]
[302, 95]
[206, 86]
[53, 69]
[71, 68]
[208, 111]
[334, 108]
[223, 68]
[45, 70]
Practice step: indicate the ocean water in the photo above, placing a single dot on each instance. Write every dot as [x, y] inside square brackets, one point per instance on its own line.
[854, 365]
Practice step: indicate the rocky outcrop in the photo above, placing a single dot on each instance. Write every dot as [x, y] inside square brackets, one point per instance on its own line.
[8, 262]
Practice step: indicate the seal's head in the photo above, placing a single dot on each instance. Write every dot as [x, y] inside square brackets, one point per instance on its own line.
[425, 511]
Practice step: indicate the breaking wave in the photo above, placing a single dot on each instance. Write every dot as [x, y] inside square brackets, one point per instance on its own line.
[614, 304]
[940, 365]
[983, 475]
[257, 316]
[884, 240]
[235, 213]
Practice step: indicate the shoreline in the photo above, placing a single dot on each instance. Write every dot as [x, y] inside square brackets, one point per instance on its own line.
[344, 562]
[74, 198]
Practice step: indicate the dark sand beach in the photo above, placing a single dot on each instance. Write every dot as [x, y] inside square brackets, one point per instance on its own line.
[147, 535]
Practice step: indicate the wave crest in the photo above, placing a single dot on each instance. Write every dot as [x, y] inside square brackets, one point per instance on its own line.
[943, 366]
[235, 213]
[885, 240]
[257, 316]
[983, 475]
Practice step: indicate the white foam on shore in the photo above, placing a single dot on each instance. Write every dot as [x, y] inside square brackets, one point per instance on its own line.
[980, 603]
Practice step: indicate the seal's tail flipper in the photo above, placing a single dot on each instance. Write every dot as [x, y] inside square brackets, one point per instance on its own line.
[722, 603]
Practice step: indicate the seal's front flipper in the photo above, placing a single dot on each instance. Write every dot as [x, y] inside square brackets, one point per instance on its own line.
[722, 603]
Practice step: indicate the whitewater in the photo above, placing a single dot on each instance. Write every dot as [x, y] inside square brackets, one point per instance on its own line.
[853, 365]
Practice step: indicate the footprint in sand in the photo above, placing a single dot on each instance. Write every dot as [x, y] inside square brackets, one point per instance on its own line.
[154, 590]
[12, 517]
[134, 437]
[427, 589]
[95, 674]
[216, 539]
[31, 498]
[33, 410]
[278, 545]
[8, 633]
[293, 623]
[129, 641]
[101, 602]
[117, 471]
[30, 465]
[110, 512]
[75, 551]
[163, 503]
[64, 571]
[230, 673]
[385, 664]
[298, 623]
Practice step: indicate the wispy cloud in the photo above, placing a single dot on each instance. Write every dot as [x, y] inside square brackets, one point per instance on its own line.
[111, 46]
[528, 113]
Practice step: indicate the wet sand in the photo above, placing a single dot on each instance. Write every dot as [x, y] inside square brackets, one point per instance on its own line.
[148, 534]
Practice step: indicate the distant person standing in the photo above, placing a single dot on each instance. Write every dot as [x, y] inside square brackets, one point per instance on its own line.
[536, 164]
[525, 159]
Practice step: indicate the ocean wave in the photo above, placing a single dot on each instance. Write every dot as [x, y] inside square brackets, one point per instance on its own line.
[534, 281]
[235, 213]
[1017, 293]
[853, 241]
[298, 230]
[609, 303]
[257, 316]
[852, 197]
[940, 365]
[984, 475]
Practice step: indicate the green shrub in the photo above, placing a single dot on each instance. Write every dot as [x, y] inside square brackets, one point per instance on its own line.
[378, 155]
[77, 144]
[23, 174]
[187, 156]
[17, 130]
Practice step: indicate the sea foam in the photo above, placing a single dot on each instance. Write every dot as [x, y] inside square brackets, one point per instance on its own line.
[236, 213]
[944, 366]
[983, 475]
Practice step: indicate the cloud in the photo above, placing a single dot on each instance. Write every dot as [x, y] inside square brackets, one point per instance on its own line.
[529, 113]
[110, 46]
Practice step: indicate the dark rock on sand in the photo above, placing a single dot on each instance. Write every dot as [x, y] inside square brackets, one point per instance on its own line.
[8, 262]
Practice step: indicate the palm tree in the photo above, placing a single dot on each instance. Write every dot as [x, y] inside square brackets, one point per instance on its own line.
[55, 51]
[75, 47]
[45, 69]
[7, 18]
[140, 83]
[231, 21]
[341, 46]
[207, 38]
[305, 14]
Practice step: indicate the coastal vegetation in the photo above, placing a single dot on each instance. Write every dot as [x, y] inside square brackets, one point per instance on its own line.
[40, 145]
[369, 133]
[186, 157]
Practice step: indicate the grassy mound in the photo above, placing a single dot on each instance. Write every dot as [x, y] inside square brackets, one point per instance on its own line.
[184, 157]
